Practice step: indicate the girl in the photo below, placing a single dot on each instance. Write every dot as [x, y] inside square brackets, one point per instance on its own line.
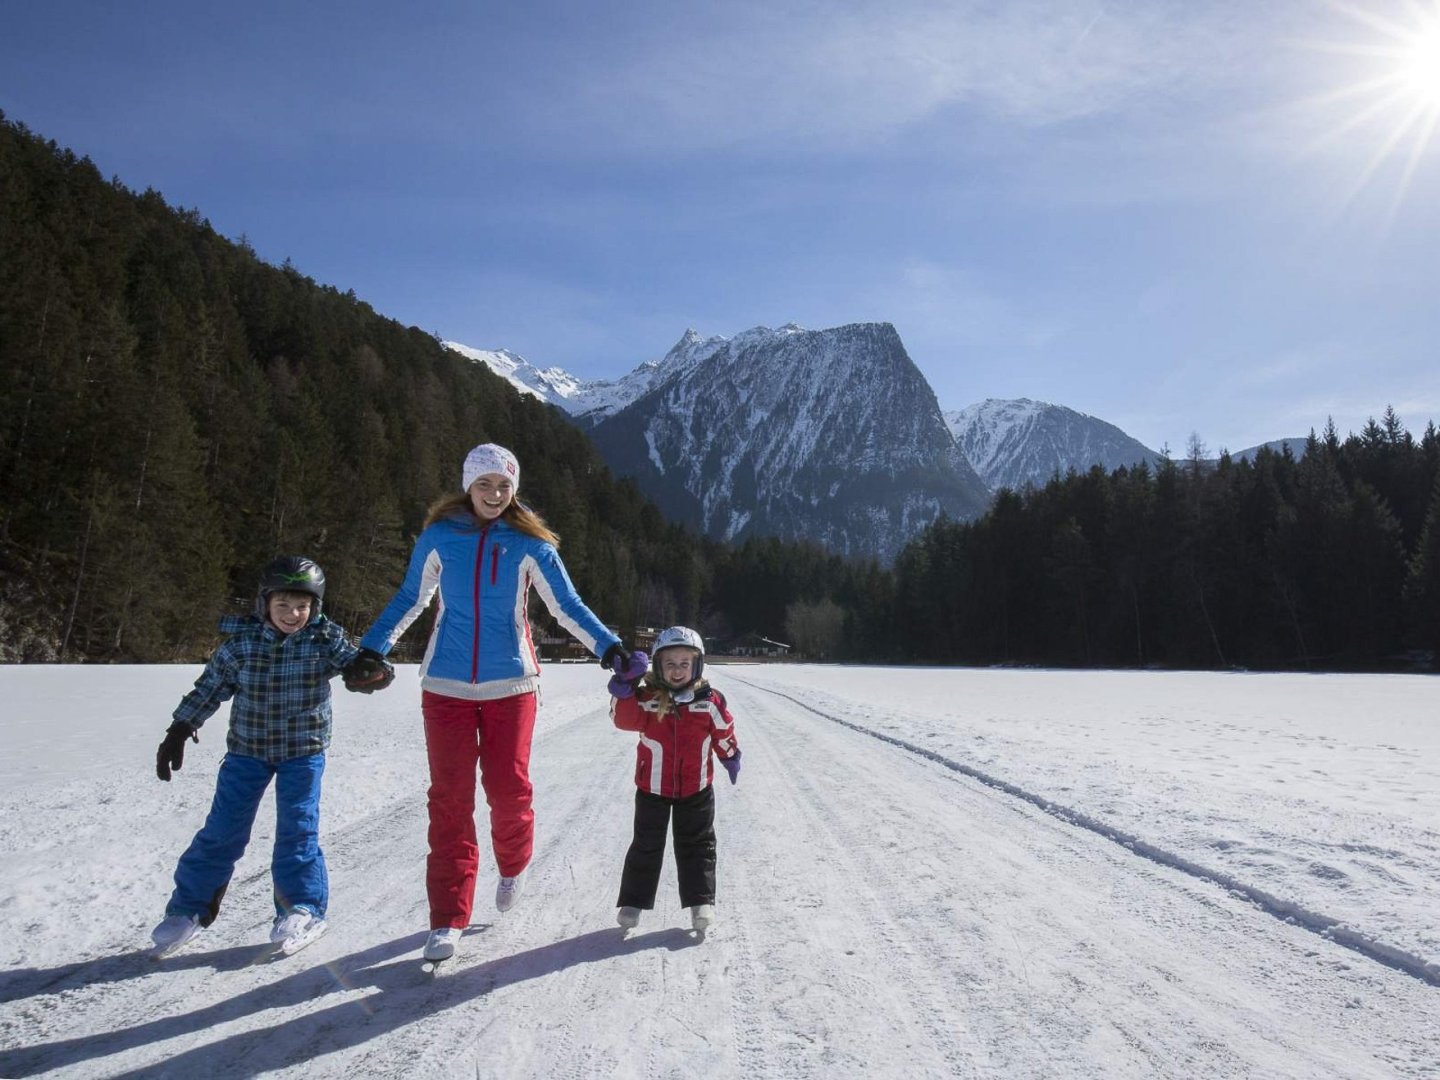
[483, 551]
[682, 721]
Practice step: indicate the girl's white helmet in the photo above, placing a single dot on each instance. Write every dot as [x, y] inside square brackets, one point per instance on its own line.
[672, 636]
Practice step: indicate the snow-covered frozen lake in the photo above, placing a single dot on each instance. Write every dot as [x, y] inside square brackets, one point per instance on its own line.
[923, 872]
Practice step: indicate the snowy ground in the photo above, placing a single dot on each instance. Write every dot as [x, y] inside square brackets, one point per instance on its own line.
[922, 873]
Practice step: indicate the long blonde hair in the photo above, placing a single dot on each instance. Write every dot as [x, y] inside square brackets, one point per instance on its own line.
[665, 696]
[517, 515]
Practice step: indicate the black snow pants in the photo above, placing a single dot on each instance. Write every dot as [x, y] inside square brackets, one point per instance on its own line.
[694, 829]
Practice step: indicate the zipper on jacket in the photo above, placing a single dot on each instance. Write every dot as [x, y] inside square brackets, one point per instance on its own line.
[494, 563]
[475, 637]
[679, 765]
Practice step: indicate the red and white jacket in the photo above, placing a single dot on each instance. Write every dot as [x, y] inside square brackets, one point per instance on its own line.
[673, 758]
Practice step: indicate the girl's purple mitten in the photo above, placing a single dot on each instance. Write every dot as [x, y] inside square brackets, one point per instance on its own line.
[732, 765]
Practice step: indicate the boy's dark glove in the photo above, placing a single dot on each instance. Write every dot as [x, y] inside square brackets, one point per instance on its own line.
[171, 754]
[614, 658]
[628, 674]
[368, 672]
[732, 765]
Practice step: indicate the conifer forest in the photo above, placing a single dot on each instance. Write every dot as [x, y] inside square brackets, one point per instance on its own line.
[175, 412]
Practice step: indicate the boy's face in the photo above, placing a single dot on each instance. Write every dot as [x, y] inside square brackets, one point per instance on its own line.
[676, 665]
[289, 611]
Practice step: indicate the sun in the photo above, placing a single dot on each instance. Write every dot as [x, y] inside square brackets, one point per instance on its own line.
[1418, 70]
[1391, 100]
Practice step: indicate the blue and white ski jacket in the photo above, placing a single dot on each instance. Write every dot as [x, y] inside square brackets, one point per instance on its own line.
[481, 648]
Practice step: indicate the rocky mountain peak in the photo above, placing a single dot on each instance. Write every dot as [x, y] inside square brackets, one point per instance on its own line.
[1012, 443]
[830, 435]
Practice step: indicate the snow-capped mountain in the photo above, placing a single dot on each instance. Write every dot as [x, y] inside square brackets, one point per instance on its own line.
[551, 384]
[826, 435]
[1015, 443]
[587, 401]
[767, 432]
[600, 400]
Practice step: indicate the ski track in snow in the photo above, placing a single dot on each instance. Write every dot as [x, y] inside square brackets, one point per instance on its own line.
[1285, 910]
[883, 911]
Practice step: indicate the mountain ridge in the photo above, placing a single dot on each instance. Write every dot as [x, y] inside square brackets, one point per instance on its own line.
[784, 456]
[1015, 442]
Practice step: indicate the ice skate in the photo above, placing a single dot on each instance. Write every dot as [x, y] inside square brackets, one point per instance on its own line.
[294, 931]
[508, 890]
[701, 917]
[441, 944]
[289, 924]
[173, 933]
[628, 917]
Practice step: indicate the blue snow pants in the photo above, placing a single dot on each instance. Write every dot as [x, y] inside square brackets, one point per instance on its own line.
[297, 866]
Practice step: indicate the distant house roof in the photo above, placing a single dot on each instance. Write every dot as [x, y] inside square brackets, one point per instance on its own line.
[753, 641]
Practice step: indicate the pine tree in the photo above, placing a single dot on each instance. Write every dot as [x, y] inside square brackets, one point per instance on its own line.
[1422, 581]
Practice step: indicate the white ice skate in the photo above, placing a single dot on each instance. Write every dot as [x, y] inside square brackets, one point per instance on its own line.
[508, 890]
[441, 944]
[628, 917]
[701, 916]
[294, 931]
[173, 933]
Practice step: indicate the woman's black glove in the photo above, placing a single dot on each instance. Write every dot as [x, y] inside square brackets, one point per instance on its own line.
[368, 672]
[171, 754]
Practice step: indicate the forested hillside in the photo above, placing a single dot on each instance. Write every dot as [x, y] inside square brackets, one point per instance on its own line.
[175, 411]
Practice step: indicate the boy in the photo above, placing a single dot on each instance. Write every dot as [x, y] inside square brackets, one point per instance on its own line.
[277, 665]
[682, 721]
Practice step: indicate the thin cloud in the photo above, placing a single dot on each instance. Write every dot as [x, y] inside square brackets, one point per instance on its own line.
[1289, 367]
[839, 77]
[933, 302]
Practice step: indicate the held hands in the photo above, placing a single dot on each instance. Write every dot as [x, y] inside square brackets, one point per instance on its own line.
[629, 669]
[171, 754]
[368, 672]
[732, 765]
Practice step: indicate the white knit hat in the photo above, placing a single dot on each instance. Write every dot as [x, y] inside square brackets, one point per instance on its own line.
[489, 458]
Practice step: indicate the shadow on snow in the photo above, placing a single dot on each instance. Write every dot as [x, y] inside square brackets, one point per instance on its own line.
[403, 993]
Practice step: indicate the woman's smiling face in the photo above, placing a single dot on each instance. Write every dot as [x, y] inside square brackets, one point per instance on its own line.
[490, 494]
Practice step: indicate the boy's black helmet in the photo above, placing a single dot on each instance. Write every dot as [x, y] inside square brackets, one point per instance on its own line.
[293, 573]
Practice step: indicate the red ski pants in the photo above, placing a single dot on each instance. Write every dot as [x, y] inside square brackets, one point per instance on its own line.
[458, 735]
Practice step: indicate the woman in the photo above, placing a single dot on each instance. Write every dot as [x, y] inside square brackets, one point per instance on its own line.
[483, 551]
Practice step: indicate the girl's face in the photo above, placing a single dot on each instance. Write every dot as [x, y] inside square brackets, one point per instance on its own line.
[676, 665]
[289, 611]
[490, 495]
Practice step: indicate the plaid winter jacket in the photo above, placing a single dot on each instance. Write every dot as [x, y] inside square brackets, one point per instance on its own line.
[280, 683]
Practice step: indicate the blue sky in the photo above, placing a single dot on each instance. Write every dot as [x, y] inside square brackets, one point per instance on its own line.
[1182, 217]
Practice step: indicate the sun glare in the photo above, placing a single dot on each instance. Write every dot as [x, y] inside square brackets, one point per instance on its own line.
[1393, 97]
[1420, 64]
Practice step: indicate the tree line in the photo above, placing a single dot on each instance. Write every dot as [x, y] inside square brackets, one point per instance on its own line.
[175, 412]
[1325, 562]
